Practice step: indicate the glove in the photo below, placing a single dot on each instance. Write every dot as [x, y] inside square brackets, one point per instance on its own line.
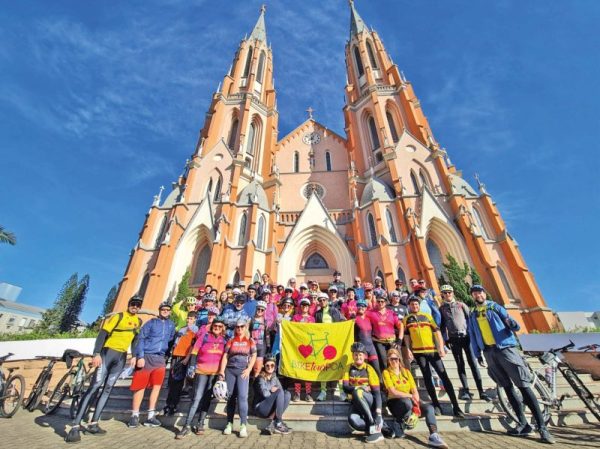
[481, 362]
[379, 422]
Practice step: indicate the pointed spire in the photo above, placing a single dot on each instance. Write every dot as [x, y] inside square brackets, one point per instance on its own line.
[357, 25]
[260, 32]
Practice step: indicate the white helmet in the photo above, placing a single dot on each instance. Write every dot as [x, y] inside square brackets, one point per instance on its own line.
[220, 390]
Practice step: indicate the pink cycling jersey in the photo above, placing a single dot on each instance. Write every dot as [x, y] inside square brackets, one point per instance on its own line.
[303, 319]
[209, 349]
[384, 324]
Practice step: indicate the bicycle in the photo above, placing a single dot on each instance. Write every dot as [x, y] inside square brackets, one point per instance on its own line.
[72, 384]
[12, 390]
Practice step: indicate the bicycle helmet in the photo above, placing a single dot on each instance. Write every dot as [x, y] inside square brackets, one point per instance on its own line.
[135, 299]
[214, 310]
[218, 319]
[412, 421]
[164, 304]
[190, 301]
[358, 347]
[270, 358]
[261, 304]
[220, 390]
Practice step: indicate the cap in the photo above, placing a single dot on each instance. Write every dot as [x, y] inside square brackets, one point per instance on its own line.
[305, 301]
[446, 288]
[251, 287]
[476, 288]
[287, 301]
[266, 291]
[399, 281]
[337, 273]
[378, 278]
[303, 285]
[323, 296]
[332, 288]
[289, 289]
[240, 298]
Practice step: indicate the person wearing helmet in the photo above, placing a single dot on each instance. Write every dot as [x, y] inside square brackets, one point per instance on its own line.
[379, 290]
[369, 296]
[184, 340]
[396, 305]
[260, 334]
[250, 304]
[204, 365]
[387, 329]
[179, 311]
[156, 338]
[361, 384]
[348, 307]
[303, 317]
[208, 301]
[237, 313]
[363, 333]
[235, 369]
[117, 334]
[404, 402]
[270, 398]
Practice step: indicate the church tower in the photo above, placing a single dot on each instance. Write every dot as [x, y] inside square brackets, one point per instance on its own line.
[383, 200]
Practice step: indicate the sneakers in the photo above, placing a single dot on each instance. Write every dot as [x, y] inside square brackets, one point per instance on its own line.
[281, 428]
[341, 394]
[322, 396]
[520, 431]
[270, 429]
[484, 397]
[95, 429]
[134, 421]
[437, 410]
[243, 431]
[228, 429]
[435, 440]
[308, 398]
[199, 429]
[458, 413]
[168, 411]
[296, 397]
[465, 395]
[152, 422]
[185, 431]
[74, 435]
[374, 438]
[546, 437]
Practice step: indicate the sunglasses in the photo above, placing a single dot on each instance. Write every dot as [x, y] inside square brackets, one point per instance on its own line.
[165, 310]
[270, 365]
[136, 306]
[240, 327]
[260, 309]
[393, 359]
[446, 293]
[217, 325]
[381, 300]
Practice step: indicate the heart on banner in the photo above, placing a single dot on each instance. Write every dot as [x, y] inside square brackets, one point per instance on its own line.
[305, 350]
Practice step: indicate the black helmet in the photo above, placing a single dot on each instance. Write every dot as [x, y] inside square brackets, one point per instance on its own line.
[270, 358]
[165, 304]
[218, 319]
[135, 299]
[358, 347]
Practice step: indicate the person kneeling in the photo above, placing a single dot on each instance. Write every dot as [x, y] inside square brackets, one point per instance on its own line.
[404, 402]
[361, 384]
[271, 400]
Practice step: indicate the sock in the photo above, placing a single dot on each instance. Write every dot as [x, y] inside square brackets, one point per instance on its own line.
[297, 388]
[308, 387]
[135, 413]
[151, 414]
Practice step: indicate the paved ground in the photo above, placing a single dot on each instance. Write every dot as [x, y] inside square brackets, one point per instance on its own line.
[34, 430]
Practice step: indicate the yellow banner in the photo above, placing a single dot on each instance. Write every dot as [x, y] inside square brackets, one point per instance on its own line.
[317, 352]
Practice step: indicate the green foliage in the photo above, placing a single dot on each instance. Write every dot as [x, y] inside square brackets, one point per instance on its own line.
[45, 334]
[7, 236]
[184, 290]
[458, 277]
[109, 302]
[64, 315]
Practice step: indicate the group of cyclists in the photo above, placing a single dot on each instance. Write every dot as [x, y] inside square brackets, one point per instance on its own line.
[221, 345]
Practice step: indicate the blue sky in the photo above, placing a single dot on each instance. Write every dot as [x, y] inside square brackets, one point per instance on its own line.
[102, 102]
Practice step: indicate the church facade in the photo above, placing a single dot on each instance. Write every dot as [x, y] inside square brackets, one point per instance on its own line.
[383, 199]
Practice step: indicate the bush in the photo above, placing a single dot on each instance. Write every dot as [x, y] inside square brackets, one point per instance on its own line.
[43, 335]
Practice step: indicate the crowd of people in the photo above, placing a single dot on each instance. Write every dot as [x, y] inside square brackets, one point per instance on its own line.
[222, 344]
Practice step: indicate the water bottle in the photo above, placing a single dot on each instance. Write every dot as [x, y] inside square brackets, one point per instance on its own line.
[548, 374]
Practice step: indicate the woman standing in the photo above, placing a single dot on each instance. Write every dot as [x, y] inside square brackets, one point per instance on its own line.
[404, 402]
[236, 366]
[204, 364]
[270, 399]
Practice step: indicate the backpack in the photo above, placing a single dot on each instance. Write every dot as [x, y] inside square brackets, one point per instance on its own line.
[135, 330]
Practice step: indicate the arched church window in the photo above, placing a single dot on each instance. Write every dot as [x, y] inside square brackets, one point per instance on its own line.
[217, 196]
[260, 239]
[359, 64]
[373, 132]
[480, 223]
[296, 162]
[236, 278]
[401, 275]
[390, 223]
[144, 285]
[423, 179]
[372, 229]
[202, 265]
[233, 133]
[505, 283]
[316, 262]
[371, 53]
[392, 126]
[328, 161]
[415, 183]
[248, 63]
[242, 234]
[210, 186]
[251, 139]
[161, 232]
[261, 67]
[436, 258]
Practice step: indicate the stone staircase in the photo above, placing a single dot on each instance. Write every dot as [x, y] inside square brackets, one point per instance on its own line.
[331, 416]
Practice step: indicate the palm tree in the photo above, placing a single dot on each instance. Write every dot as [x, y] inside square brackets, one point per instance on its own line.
[7, 236]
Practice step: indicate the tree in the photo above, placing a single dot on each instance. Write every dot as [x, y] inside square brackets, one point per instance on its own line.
[184, 290]
[7, 236]
[70, 318]
[64, 314]
[458, 277]
[109, 302]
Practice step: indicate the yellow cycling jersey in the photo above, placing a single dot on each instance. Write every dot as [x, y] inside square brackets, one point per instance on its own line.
[122, 329]
[402, 382]
[421, 328]
[484, 326]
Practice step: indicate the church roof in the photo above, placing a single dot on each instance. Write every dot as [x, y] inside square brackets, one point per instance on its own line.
[462, 187]
[357, 25]
[253, 193]
[317, 125]
[260, 32]
[376, 189]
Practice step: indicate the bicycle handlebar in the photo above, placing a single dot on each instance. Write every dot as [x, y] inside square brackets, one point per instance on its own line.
[564, 348]
[4, 357]
[592, 347]
[41, 357]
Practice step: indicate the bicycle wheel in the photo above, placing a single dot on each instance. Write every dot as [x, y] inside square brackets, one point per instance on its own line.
[505, 404]
[79, 390]
[33, 393]
[582, 391]
[542, 393]
[36, 399]
[12, 396]
[61, 390]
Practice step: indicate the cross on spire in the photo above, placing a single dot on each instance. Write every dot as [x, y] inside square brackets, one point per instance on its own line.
[310, 111]
[263, 8]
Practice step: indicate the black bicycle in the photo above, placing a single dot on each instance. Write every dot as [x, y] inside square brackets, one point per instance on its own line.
[12, 389]
[72, 384]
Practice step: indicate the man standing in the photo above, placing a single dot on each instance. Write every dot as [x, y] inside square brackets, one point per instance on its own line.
[379, 290]
[454, 328]
[337, 282]
[110, 354]
[424, 340]
[156, 337]
[358, 288]
[491, 330]
[427, 304]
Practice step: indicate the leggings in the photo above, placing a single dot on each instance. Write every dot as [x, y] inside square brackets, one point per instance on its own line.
[530, 400]
[382, 349]
[175, 386]
[361, 415]
[106, 374]
[202, 384]
[432, 359]
[460, 345]
[278, 402]
[237, 392]
[401, 409]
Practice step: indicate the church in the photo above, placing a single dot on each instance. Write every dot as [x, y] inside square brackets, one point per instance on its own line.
[383, 199]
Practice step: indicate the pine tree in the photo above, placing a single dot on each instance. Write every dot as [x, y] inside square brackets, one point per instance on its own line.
[109, 302]
[70, 318]
[457, 277]
[53, 317]
[184, 290]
